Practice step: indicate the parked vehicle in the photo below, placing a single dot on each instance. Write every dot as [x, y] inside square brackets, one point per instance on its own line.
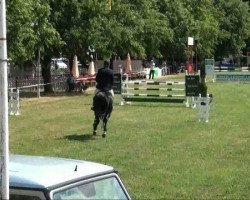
[58, 63]
[58, 66]
[38, 178]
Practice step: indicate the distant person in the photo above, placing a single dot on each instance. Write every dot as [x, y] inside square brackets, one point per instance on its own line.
[152, 71]
[81, 86]
[164, 68]
[189, 67]
[71, 83]
[182, 67]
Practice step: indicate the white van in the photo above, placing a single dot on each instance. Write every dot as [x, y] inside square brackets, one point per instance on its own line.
[58, 63]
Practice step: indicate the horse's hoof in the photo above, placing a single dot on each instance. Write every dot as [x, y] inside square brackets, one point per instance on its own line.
[94, 132]
[104, 134]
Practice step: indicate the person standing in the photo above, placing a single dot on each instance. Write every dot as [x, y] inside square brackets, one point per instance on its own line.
[152, 71]
[164, 68]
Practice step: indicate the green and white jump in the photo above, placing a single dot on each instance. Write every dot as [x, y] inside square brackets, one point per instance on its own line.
[155, 91]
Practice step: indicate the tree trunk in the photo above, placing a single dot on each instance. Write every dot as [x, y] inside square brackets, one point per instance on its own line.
[46, 74]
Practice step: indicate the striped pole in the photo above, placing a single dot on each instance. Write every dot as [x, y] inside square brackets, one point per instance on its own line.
[155, 82]
[154, 95]
[158, 89]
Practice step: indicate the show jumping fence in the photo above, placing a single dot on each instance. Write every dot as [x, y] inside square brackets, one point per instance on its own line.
[231, 69]
[154, 91]
[160, 91]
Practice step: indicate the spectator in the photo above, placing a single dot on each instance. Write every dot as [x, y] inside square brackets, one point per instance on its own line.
[164, 68]
[151, 72]
[71, 83]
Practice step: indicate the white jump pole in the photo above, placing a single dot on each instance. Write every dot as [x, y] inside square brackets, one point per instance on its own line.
[4, 120]
[121, 103]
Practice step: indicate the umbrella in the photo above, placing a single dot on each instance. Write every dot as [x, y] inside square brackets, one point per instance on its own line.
[75, 70]
[128, 68]
[91, 69]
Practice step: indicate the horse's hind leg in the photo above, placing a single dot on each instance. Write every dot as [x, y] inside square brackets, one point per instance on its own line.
[105, 121]
[95, 124]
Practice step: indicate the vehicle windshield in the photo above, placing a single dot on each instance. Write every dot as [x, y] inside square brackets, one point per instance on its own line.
[60, 62]
[108, 188]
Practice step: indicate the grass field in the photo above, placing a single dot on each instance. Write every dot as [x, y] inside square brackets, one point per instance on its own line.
[160, 150]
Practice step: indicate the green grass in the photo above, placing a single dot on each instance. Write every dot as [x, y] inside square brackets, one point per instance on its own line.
[160, 150]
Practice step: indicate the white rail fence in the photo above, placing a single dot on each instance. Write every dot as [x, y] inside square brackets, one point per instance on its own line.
[14, 94]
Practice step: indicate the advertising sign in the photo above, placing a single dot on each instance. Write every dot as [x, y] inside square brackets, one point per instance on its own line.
[233, 77]
[192, 85]
[190, 41]
[117, 87]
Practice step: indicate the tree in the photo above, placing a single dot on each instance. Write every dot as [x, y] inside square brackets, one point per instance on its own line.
[30, 31]
[190, 19]
[129, 26]
[144, 28]
[70, 18]
[234, 22]
[21, 36]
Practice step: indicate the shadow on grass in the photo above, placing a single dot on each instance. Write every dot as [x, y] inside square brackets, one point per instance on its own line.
[83, 137]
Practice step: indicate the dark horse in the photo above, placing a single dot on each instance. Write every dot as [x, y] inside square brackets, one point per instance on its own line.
[102, 107]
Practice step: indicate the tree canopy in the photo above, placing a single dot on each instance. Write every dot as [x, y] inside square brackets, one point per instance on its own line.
[29, 28]
[144, 28]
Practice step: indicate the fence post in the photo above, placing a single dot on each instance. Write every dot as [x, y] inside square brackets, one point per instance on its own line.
[14, 103]
[11, 101]
[121, 98]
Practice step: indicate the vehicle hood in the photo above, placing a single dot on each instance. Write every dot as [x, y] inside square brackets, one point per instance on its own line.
[44, 172]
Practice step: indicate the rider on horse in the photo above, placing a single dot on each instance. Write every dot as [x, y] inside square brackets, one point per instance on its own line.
[103, 97]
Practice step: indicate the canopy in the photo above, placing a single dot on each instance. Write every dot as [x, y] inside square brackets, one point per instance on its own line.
[128, 68]
[91, 69]
[75, 70]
